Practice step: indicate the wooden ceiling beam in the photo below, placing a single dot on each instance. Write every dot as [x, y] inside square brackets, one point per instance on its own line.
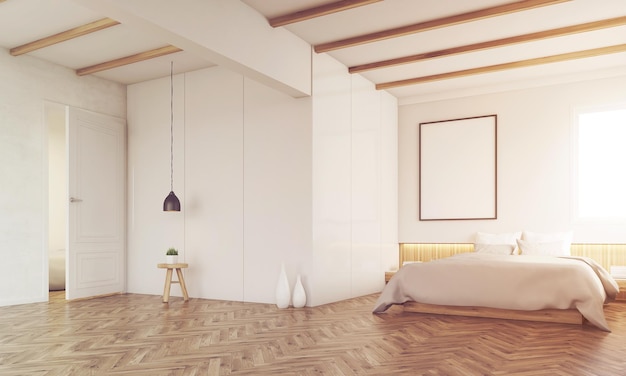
[505, 66]
[128, 60]
[319, 11]
[435, 24]
[63, 36]
[563, 31]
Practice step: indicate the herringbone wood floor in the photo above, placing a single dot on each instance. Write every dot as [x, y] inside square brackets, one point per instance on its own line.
[139, 335]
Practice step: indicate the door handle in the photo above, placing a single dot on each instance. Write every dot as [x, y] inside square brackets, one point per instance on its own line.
[72, 199]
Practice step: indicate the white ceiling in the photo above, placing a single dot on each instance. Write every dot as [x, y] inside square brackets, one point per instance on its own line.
[23, 21]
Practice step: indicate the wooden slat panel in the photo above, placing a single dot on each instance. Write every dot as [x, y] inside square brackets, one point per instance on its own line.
[435, 24]
[604, 254]
[431, 251]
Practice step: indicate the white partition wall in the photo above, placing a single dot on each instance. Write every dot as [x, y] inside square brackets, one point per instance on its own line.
[332, 156]
[265, 179]
[365, 187]
[354, 184]
[151, 231]
[242, 169]
[277, 189]
[388, 183]
[214, 183]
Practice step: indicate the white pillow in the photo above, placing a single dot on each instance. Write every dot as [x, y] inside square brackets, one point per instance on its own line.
[494, 249]
[553, 248]
[506, 238]
[564, 237]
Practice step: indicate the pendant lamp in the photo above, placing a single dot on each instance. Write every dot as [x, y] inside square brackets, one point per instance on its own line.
[171, 202]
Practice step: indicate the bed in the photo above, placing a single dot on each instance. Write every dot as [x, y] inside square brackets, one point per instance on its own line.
[527, 287]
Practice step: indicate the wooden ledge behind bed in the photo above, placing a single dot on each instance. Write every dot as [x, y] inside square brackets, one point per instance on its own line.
[604, 254]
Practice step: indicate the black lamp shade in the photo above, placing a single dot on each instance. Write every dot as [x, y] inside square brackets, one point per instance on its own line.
[171, 203]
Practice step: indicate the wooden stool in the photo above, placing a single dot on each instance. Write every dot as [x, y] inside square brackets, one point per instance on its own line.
[168, 280]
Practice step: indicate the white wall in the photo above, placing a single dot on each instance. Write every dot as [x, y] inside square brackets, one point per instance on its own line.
[534, 161]
[243, 174]
[214, 182]
[389, 182]
[277, 189]
[264, 179]
[26, 84]
[150, 230]
[332, 193]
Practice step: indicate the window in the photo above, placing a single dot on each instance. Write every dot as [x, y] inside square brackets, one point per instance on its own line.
[600, 155]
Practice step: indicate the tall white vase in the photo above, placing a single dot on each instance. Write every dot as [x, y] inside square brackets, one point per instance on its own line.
[283, 292]
[299, 295]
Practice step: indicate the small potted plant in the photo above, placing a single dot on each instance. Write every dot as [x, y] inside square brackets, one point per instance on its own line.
[172, 256]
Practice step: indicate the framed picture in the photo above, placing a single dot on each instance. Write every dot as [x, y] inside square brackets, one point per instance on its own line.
[458, 169]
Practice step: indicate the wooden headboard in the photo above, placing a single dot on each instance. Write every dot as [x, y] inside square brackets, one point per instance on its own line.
[605, 254]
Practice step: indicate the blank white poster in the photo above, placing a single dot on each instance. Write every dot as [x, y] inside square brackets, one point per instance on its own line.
[458, 163]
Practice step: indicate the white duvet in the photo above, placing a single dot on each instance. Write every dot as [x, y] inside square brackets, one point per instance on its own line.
[507, 282]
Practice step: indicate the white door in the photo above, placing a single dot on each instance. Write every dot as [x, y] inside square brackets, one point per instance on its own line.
[96, 188]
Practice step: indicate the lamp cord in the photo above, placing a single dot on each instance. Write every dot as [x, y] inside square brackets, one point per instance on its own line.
[172, 126]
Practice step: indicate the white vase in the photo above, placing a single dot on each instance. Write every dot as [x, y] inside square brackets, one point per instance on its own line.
[283, 292]
[171, 259]
[299, 295]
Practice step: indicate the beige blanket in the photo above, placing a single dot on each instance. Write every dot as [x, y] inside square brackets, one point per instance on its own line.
[507, 282]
